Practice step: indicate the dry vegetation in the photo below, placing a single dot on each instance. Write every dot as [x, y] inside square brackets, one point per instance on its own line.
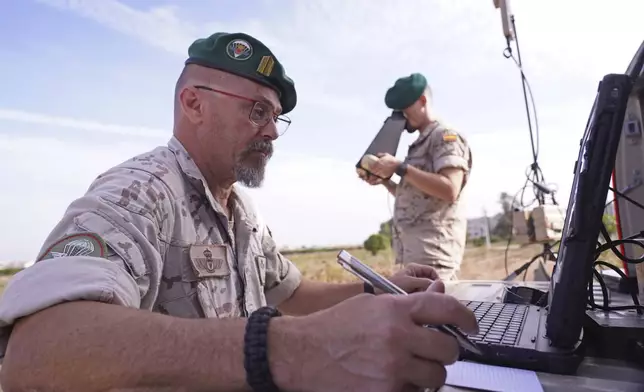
[478, 262]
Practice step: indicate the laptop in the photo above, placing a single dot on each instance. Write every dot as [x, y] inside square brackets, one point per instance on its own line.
[549, 338]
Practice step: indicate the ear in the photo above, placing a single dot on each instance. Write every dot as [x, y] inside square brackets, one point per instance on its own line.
[191, 105]
[423, 100]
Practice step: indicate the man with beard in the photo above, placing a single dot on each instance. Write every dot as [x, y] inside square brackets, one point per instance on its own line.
[429, 223]
[163, 276]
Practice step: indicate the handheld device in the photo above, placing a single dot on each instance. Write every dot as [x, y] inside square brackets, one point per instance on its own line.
[364, 272]
[386, 141]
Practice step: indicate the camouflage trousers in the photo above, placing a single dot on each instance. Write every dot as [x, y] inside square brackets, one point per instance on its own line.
[416, 246]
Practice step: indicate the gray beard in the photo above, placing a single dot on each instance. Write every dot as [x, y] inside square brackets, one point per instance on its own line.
[252, 177]
[252, 174]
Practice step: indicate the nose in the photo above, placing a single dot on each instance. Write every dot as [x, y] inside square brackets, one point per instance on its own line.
[269, 131]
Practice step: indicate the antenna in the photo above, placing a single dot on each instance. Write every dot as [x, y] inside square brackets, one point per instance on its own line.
[506, 18]
[509, 31]
[534, 177]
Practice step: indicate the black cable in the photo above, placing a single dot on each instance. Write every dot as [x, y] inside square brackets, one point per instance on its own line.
[526, 90]
[620, 194]
[537, 173]
[591, 295]
[534, 174]
[619, 272]
[612, 245]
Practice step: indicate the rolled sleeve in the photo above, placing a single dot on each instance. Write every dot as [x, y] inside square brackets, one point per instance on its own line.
[54, 281]
[450, 150]
[289, 281]
[282, 276]
[118, 263]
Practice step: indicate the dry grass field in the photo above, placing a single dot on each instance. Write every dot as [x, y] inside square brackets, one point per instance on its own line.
[478, 263]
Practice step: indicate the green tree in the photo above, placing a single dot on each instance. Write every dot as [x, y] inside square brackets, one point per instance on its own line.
[503, 227]
[385, 228]
[375, 243]
[610, 223]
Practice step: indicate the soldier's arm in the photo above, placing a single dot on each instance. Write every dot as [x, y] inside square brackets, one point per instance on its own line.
[293, 295]
[444, 185]
[391, 186]
[79, 319]
[450, 159]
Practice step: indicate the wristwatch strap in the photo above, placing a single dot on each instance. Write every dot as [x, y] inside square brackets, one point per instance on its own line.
[401, 170]
[258, 373]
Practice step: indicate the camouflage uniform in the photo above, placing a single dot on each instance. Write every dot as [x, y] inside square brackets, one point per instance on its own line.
[429, 230]
[148, 234]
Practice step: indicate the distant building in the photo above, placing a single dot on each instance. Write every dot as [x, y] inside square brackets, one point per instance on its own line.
[476, 228]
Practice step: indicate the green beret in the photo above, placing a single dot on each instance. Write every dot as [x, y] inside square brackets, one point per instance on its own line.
[245, 56]
[405, 91]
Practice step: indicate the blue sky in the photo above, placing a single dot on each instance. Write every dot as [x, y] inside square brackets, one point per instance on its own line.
[87, 84]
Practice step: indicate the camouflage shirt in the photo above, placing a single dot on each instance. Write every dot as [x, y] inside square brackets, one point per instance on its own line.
[148, 234]
[427, 227]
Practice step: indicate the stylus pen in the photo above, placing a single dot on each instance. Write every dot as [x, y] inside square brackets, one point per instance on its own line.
[377, 281]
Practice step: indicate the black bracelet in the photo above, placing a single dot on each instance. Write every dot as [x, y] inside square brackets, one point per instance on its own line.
[258, 372]
[368, 288]
[401, 170]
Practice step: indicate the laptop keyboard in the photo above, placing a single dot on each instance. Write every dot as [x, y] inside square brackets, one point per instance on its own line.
[498, 323]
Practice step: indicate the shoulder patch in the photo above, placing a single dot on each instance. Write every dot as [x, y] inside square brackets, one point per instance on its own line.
[450, 136]
[80, 244]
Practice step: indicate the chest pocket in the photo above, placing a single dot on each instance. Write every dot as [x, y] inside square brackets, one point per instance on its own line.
[177, 289]
[198, 282]
[418, 154]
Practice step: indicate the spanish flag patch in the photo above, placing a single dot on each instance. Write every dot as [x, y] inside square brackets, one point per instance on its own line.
[450, 137]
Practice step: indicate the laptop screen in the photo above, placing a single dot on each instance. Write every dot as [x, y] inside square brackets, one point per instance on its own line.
[592, 173]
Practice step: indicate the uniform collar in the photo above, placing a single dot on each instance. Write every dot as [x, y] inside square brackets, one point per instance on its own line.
[429, 128]
[424, 134]
[187, 165]
[190, 169]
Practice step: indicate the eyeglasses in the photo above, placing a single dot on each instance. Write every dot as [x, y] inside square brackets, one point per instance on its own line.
[261, 112]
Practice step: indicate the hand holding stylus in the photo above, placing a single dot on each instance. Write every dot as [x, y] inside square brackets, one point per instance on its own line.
[379, 343]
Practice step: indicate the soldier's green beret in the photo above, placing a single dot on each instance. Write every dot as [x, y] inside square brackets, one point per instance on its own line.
[405, 91]
[245, 56]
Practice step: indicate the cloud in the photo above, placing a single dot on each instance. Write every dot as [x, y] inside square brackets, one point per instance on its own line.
[343, 55]
[47, 174]
[160, 27]
[85, 125]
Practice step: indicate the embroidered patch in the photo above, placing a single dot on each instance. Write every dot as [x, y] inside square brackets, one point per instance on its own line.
[265, 66]
[80, 244]
[238, 49]
[210, 261]
[450, 136]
